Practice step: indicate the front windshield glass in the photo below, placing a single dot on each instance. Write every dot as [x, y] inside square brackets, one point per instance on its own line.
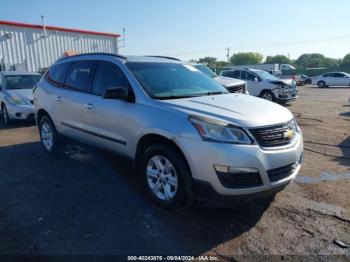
[206, 70]
[265, 75]
[173, 80]
[21, 81]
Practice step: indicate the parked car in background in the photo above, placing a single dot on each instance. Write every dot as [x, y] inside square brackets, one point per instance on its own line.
[332, 79]
[186, 133]
[302, 80]
[262, 84]
[16, 96]
[231, 84]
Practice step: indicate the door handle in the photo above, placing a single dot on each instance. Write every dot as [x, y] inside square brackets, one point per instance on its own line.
[89, 106]
[58, 98]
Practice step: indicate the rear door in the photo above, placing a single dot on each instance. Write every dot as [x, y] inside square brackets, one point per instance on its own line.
[107, 121]
[341, 79]
[74, 98]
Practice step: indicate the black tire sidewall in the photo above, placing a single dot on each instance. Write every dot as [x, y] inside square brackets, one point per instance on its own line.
[5, 114]
[54, 148]
[184, 190]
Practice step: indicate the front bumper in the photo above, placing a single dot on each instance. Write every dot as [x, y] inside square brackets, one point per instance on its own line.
[21, 112]
[287, 95]
[202, 156]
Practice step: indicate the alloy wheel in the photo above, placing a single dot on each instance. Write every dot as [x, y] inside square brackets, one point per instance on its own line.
[162, 178]
[47, 136]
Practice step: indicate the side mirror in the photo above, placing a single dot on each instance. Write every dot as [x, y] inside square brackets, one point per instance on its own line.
[116, 93]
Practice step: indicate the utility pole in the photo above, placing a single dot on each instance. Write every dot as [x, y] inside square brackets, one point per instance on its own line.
[122, 40]
[228, 54]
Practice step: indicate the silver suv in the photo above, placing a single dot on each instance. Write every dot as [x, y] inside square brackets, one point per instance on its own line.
[186, 134]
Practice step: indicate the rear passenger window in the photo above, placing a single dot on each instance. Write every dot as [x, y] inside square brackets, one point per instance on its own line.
[108, 75]
[247, 76]
[57, 73]
[80, 76]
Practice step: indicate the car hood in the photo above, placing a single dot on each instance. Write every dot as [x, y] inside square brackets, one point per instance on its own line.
[26, 94]
[239, 109]
[288, 82]
[228, 82]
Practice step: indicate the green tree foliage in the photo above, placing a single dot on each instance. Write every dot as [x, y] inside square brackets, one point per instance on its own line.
[209, 61]
[277, 59]
[316, 61]
[346, 60]
[248, 58]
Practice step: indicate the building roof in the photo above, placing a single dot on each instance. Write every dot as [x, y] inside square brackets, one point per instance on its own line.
[56, 28]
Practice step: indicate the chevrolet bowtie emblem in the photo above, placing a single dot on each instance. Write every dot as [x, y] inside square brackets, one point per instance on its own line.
[288, 134]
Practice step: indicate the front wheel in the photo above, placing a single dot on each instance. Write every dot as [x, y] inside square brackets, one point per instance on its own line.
[268, 95]
[48, 135]
[5, 116]
[167, 177]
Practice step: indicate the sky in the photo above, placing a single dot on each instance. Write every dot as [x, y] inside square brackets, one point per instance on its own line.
[190, 29]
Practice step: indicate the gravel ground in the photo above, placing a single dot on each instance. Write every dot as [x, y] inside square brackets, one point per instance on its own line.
[89, 202]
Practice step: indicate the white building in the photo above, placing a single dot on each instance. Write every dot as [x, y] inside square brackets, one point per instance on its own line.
[35, 47]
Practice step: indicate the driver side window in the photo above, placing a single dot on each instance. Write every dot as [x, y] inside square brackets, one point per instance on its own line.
[108, 75]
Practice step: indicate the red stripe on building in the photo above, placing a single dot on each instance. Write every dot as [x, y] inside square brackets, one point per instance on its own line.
[56, 28]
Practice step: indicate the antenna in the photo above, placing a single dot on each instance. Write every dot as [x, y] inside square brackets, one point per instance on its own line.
[44, 25]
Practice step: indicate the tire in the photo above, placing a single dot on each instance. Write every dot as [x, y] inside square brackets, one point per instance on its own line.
[321, 84]
[268, 95]
[5, 116]
[48, 135]
[169, 187]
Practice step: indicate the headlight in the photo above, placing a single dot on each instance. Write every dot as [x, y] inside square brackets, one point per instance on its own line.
[217, 131]
[294, 125]
[17, 101]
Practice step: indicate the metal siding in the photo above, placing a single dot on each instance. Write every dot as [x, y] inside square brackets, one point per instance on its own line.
[28, 46]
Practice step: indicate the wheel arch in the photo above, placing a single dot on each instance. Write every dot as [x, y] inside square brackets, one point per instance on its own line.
[153, 138]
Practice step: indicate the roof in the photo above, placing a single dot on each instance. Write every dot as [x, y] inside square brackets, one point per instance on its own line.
[56, 28]
[9, 73]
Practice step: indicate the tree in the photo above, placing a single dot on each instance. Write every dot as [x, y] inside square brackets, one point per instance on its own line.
[277, 59]
[248, 58]
[346, 60]
[209, 61]
[219, 64]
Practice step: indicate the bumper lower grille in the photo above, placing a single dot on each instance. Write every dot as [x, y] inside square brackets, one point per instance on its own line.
[236, 89]
[277, 174]
[277, 135]
[240, 180]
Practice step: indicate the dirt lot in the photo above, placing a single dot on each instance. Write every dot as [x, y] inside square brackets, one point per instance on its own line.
[91, 202]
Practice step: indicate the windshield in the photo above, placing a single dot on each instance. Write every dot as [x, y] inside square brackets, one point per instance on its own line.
[21, 81]
[173, 80]
[206, 70]
[265, 75]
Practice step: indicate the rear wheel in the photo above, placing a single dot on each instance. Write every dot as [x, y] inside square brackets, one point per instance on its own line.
[268, 95]
[321, 84]
[167, 177]
[48, 135]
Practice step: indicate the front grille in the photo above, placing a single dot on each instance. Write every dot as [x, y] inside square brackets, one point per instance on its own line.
[281, 172]
[240, 180]
[236, 89]
[277, 135]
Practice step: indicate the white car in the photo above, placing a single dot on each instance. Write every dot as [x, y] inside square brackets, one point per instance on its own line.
[332, 79]
[231, 84]
[265, 85]
[16, 95]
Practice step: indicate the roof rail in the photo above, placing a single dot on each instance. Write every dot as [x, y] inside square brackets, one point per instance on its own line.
[97, 53]
[167, 57]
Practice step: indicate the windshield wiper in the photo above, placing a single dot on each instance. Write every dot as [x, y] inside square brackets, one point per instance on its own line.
[210, 93]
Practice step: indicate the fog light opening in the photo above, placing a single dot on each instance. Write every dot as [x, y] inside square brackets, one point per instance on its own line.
[231, 169]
